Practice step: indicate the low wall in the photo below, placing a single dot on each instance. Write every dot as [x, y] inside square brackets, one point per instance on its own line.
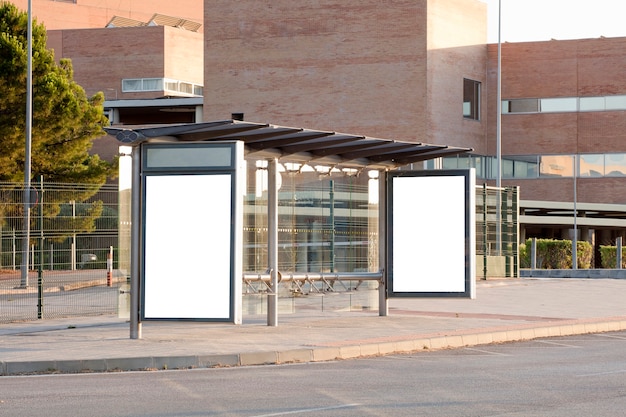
[573, 273]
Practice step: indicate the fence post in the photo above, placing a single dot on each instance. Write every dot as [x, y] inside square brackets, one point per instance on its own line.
[110, 267]
[618, 257]
[14, 250]
[533, 253]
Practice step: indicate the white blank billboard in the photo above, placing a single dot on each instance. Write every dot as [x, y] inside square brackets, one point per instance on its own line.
[431, 232]
[187, 245]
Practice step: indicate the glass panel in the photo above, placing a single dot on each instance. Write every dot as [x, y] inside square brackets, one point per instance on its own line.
[558, 105]
[556, 166]
[326, 222]
[171, 85]
[591, 165]
[524, 166]
[616, 103]
[152, 84]
[507, 168]
[526, 105]
[186, 157]
[592, 103]
[131, 85]
[185, 88]
[615, 165]
[450, 163]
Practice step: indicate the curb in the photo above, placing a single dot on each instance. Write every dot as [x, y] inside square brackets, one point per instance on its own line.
[330, 352]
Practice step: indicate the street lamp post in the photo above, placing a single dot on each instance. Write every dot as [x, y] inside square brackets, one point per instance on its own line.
[27, 156]
[499, 135]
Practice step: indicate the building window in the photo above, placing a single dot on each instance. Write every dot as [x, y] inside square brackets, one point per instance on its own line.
[558, 105]
[168, 86]
[471, 99]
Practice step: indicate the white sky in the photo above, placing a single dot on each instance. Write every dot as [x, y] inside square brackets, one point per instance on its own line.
[533, 20]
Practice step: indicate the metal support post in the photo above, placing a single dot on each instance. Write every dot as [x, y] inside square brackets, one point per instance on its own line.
[272, 240]
[618, 255]
[383, 307]
[135, 245]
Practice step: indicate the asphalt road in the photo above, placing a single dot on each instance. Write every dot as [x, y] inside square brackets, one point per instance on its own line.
[556, 377]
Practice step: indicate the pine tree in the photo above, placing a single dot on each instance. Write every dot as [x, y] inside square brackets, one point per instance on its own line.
[65, 121]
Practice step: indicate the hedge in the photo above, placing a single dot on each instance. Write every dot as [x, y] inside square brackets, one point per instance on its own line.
[556, 254]
[608, 256]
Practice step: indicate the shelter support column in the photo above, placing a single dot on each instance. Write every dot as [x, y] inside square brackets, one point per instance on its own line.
[383, 307]
[135, 249]
[272, 240]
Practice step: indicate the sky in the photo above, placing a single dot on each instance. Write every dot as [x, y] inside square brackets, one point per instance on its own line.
[536, 20]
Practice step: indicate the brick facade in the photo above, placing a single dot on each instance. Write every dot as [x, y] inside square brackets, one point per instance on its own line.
[573, 68]
[372, 67]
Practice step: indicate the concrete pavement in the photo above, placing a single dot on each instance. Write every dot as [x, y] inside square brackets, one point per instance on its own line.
[321, 328]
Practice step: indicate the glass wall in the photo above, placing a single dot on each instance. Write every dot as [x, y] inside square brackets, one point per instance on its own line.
[327, 219]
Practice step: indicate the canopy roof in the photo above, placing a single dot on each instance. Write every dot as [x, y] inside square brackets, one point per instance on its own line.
[290, 144]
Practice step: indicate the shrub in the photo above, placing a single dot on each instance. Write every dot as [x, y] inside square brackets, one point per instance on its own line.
[556, 254]
[608, 256]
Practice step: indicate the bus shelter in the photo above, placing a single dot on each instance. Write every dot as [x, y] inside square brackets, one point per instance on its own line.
[189, 183]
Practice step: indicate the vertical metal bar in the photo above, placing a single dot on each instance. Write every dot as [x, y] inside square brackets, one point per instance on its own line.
[383, 306]
[135, 246]
[533, 254]
[485, 231]
[618, 255]
[272, 240]
[41, 241]
[575, 238]
[332, 225]
[504, 193]
[516, 233]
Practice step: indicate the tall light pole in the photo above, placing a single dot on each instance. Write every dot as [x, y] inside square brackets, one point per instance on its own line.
[27, 156]
[499, 135]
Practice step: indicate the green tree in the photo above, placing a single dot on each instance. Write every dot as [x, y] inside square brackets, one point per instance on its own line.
[65, 121]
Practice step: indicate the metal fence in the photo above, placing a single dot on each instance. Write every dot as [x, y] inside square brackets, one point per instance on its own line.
[71, 251]
[328, 235]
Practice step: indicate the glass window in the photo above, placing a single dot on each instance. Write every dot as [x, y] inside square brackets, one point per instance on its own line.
[591, 165]
[152, 84]
[616, 103]
[525, 105]
[131, 85]
[556, 166]
[615, 165]
[525, 166]
[549, 105]
[471, 99]
[592, 103]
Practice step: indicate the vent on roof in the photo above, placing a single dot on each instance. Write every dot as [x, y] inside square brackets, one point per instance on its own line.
[124, 22]
[177, 22]
[156, 20]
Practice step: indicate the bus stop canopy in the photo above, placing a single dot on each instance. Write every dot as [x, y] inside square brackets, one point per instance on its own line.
[293, 144]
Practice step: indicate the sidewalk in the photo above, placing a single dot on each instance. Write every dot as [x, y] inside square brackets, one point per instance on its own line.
[504, 310]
